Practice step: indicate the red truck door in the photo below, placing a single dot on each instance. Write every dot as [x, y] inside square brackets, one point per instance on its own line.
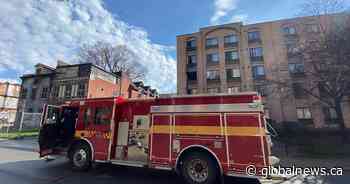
[100, 128]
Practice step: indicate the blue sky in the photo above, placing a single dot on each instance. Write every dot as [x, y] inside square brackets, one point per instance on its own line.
[164, 19]
[45, 31]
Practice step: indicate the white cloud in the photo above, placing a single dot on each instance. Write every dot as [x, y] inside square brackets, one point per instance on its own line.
[238, 18]
[44, 31]
[224, 10]
[12, 81]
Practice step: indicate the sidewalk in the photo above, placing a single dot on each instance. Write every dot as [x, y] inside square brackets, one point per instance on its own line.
[25, 144]
[299, 160]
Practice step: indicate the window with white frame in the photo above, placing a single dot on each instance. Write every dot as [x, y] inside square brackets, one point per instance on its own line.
[231, 55]
[213, 75]
[230, 39]
[234, 89]
[213, 90]
[304, 113]
[256, 52]
[211, 42]
[289, 30]
[213, 58]
[233, 73]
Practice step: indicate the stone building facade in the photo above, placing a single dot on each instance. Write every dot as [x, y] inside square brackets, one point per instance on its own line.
[9, 94]
[235, 57]
[54, 86]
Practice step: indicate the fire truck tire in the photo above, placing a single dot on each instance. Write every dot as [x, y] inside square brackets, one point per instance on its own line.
[199, 168]
[81, 157]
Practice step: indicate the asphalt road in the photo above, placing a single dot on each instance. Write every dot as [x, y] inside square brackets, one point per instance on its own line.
[19, 164]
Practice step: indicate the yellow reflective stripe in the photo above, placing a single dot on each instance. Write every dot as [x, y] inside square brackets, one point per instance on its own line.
[208, 130]
[245, 131]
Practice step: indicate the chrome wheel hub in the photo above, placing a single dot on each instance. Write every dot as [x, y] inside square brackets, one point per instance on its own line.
[79, 158]
[198, 170]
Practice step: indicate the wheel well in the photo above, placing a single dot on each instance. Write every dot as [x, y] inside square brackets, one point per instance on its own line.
[80, 142]
[193, 149]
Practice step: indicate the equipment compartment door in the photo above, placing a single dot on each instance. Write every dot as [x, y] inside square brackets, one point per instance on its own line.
[245, 140]
[161, 139]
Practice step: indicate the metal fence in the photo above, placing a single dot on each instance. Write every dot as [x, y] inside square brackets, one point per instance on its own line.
[28, 121]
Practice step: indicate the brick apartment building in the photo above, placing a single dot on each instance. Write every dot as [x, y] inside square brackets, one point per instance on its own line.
[9, 94]
[234, 57]
[54, 86]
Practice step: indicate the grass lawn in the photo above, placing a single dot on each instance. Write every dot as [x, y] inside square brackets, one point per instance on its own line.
[16, 135]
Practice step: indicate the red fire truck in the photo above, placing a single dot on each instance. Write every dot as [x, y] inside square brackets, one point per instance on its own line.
[200, 137]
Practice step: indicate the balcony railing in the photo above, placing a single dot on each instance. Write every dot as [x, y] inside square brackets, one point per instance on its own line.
[191, 48]
[259, 77]
[257, 58]
[232, 61]
[212, 46]
[255, 40]
[233, 44]
[233, 79]
[210, 63]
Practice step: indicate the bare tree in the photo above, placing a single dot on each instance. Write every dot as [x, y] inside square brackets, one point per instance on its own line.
[323, 47]
[115, 59]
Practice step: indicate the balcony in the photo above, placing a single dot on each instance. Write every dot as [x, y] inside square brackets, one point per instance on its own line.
[191, 67]
[255, 40]
[297, 74]
[233, 79]
[212, 46]
[188, 48]
[230, 45]
[256, 58]
[232, 61]
[213, 80]
[212, 63]
[259, 77]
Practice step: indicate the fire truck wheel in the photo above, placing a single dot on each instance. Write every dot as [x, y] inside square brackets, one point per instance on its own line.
[199, 168]
[81, 157]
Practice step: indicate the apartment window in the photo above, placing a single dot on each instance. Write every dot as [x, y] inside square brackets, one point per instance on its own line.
[256, 52]
[61, 91]
[44, 92]
[213, 75]
[289, 31]
[103, 115]
[74, 90]
[191, 60]
[191, 44]
[231, 56]
[260, 89]
[292, 48]
[81, 90]
[68, 90]
[231, 90]
[296, 68]
[254, 36]
[24, 93]
[211, 42]
[192, 91]
[55, 91]
[313, 28]
[33, 95]
[230, 40]
[298, 90]
[192, 76]
[303, 113]
[213, 90]
[330, 114]
[213, 58]
[233, 73]
[258, 71]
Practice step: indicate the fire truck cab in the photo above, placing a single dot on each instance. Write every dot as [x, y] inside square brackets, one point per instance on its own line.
[201, 137]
